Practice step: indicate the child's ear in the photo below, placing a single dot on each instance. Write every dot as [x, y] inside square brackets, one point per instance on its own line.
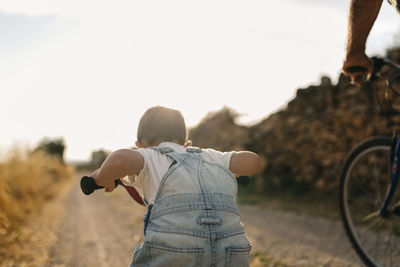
[142, 144]
[188, 143]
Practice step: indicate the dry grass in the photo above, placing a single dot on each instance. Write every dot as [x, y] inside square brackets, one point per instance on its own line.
[258, 259]
[27, 181]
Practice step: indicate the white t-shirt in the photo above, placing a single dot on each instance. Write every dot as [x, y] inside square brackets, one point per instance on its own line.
[157, 164]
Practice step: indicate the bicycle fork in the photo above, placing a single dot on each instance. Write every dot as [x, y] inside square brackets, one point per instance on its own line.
[395, 156]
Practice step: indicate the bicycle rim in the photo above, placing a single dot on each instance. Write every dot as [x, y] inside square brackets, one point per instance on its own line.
[365, 179]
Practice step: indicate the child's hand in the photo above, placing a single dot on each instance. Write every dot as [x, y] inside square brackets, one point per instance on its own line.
[109, 187]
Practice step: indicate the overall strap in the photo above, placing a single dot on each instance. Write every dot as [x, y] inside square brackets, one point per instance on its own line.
[168, 151]
[177, 160]
[162, 150]
[132, 190]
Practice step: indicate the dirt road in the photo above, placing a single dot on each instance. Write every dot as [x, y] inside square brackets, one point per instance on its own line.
[103, 230]
[298, 240]
[97, 230]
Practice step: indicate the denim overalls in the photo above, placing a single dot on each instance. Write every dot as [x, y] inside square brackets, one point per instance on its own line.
[194, 220]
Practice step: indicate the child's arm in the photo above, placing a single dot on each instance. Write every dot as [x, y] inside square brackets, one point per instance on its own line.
[118, 164]
[245, 163]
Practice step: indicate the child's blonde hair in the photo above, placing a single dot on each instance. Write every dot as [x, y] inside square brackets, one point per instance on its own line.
[160, 124]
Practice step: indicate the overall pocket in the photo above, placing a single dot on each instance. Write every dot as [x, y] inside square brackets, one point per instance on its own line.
[237, 256]
[156, 254]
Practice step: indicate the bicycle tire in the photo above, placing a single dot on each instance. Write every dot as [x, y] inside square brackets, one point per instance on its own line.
[356, 171]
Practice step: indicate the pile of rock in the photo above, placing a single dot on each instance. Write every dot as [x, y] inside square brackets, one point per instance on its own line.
[305, 144]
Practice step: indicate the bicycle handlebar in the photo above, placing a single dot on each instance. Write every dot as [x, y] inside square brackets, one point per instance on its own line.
[385, 97]
[88, 185]
[378, 64]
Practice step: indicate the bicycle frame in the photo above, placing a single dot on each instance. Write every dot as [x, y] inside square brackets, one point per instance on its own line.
[395, 149]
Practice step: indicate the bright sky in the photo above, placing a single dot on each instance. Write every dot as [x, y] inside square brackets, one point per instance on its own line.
[87, 70]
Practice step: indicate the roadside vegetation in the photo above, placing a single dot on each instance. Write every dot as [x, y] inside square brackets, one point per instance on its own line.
[28, 179]
[259, 259]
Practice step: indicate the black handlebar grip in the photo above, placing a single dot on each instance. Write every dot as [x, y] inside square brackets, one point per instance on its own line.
[88, 185]
[378, 64]
[355, 69]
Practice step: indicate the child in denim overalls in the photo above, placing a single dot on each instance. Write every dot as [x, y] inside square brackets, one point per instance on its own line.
[192, 218]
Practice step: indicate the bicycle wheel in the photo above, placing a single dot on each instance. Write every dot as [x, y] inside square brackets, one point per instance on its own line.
[365, 178]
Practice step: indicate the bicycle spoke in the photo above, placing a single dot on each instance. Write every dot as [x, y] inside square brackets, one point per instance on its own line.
[370, 216]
